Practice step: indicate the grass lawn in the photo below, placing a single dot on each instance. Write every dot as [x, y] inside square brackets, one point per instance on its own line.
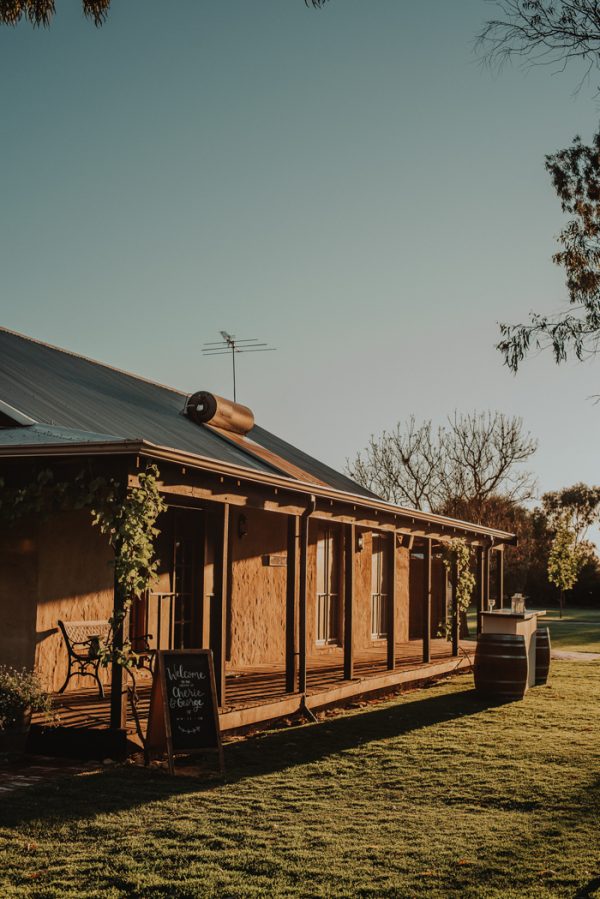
[433, 793]
[578, 629]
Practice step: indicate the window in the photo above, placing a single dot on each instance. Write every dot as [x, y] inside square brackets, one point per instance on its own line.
[379, 586]
[328, 576]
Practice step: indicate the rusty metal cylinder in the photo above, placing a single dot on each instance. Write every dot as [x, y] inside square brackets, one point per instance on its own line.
[542, 655]
[501, 668]
[208, 408]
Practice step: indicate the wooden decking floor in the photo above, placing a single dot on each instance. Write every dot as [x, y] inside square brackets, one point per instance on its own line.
[265, 685]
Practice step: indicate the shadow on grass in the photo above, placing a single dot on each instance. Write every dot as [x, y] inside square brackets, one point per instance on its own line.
[590, 889]
[124, 788]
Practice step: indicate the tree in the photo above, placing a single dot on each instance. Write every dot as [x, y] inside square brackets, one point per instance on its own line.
[564, 560]
[578, 506]
[471, 458]
[547, 32]
[575, 175]
[558, 32]
[524, 564]
[41, 12]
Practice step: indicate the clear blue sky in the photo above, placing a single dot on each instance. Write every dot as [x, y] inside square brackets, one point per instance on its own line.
[348, 185]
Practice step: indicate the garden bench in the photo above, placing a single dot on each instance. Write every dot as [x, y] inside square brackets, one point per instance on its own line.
[82, 639]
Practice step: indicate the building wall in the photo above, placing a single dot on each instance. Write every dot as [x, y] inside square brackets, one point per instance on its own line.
[18, 595]
[257, 620]
[417, 596]
[74, 583]
[362, 599]
[258, 590]
[62, 568]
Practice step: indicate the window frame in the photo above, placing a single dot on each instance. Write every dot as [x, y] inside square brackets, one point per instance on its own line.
[380, 598]
[327, 602]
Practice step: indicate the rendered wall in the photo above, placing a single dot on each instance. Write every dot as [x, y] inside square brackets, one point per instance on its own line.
[74, 582]
[362, 600]
[258, 591]
[417, 596]
[18, 595]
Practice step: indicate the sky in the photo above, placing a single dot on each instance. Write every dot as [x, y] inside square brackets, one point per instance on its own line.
[349, 185]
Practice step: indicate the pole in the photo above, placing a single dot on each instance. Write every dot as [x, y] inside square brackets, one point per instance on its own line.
[427, 604]
[391, 599]
[349, 550]
[455, 614]
[291, 604]
[233, 363]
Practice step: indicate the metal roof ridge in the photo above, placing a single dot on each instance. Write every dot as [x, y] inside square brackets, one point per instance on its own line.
[120, 371]
[273, 460]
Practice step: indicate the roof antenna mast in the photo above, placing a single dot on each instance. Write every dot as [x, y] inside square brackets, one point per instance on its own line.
[230, 344]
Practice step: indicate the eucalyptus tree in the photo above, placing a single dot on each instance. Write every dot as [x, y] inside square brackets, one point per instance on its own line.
[575, 174]
[542, 32]
[41, 12]
[577, 506]
[558, 33]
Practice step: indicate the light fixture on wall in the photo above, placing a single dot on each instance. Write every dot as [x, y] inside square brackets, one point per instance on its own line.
[360, 542]
[242, 526]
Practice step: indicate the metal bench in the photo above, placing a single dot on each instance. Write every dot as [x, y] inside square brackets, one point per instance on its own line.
[82, 639]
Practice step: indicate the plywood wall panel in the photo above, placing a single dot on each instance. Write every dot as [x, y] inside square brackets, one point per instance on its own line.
[18, 595]
[75, 582]
[258, 590]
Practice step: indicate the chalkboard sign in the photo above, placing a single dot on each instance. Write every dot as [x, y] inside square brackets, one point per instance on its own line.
[183, 706]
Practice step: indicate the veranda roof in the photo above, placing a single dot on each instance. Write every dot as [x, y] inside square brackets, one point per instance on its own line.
[54, 402]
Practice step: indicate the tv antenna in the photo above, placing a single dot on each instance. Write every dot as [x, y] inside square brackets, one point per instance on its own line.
[230, 344]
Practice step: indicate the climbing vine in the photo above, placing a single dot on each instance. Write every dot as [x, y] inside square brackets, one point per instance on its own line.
[457, 558]
[127, 517]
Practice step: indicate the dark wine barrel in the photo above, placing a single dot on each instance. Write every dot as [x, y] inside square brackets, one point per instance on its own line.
[501, 666]
[542, 655]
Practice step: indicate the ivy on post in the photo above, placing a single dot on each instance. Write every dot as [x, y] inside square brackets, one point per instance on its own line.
[457, 561]
[118, 701]
[128, 517]
[455, 613]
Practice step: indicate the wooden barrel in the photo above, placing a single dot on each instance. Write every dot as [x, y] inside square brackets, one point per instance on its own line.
[542, 655]
[501, 666]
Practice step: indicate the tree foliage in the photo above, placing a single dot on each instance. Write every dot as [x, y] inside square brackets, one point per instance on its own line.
[575, 174]
[41, 12]
[457, 562]
[558, 32]
[564, 560]
[577, 506]
[471, 457]
[524, 564]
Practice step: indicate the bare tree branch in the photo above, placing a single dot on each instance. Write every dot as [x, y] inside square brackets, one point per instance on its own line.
[542, 32]
[471, 458]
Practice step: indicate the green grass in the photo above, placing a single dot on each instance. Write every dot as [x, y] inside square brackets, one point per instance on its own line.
[578, 629]
[433, 793]
[574, 631]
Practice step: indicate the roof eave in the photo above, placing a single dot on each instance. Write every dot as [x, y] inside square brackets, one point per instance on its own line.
[192, 460]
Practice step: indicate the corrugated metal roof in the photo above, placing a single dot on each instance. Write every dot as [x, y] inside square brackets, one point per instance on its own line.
[43, 435]
[74, 399]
